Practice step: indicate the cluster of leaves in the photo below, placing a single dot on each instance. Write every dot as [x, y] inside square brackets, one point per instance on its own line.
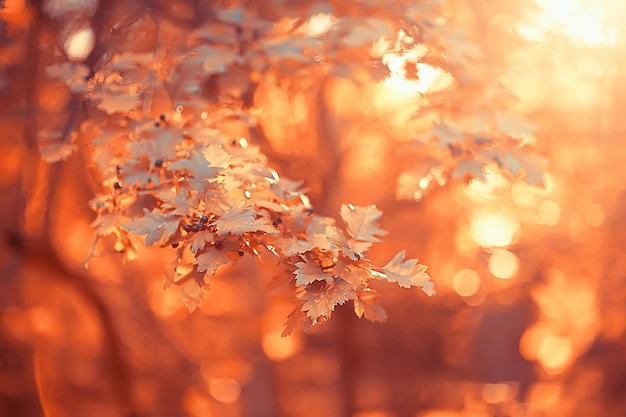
[187, 176]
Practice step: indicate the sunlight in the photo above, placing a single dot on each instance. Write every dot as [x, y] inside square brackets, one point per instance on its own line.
[429, 79]
[582, 22]
[278, 348]
[466, 282]
[494, 229]
[320, 23]
[503, 264]
[79, 44]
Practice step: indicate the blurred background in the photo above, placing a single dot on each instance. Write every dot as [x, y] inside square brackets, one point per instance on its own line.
[530, 315]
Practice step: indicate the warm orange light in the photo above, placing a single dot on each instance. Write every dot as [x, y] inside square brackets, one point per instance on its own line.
[583, 22]
[549, 213]
[494, 229]
[279, 348]
[224, 390]
[555, 354]
[544, 395]
[499, 393]
[165, 303]
[320, 23]
[595, 215]
[466, 282]
[79, 44]
[503, 264]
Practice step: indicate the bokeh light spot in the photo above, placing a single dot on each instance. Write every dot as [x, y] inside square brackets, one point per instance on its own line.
[278, 348]
[224, 390]
[555, 353]
[503, 264]
[494, 229]
[466, 282]
[549, 213]
[79, 44]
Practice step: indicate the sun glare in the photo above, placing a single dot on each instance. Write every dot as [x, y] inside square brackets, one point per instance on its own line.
[79, 44]
[583, 22]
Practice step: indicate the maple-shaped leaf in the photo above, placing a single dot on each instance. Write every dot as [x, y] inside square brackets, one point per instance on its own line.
[296, 319]
[107, 223]
[471, 168]
[307, 272]
[112, 103]
[407, 273]
[287, 189]
[447, 134]
[352, 248]
[238, 221]
[158, 144]
[199, 240]
[319, 230]
[517, 161]
[211, 258]
[217, 156]
[197, 165]
[515, 126]
[182, 202]
[154, 225]
[73, 74]
[192, 294]
[55, 150]
[361, 222]
[321, 303]
[368, 304]
[138, 173]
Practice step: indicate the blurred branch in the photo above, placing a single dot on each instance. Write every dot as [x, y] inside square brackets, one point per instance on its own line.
[40, 256]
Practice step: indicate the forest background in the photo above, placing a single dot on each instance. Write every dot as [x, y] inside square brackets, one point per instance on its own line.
[357, 103]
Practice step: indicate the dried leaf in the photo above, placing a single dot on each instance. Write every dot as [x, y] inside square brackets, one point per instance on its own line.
[154, 225]
[111, 103]
[238, 221]
[407, 273]
[360, 222]
[307, 272]
[321, 303]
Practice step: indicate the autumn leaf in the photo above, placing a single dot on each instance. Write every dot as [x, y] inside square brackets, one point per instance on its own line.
[321, 303]
[307, 272]
[196, 165]
[56, 150]
[199, 240]
[407, 273]
[447, 134]
[211, 258]
[287, 189]
[516, 161]
[154, 225]
[73, 74]
[360, 222]
[238, 221]
[192, 294]
[111, 103]
[368, 304]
